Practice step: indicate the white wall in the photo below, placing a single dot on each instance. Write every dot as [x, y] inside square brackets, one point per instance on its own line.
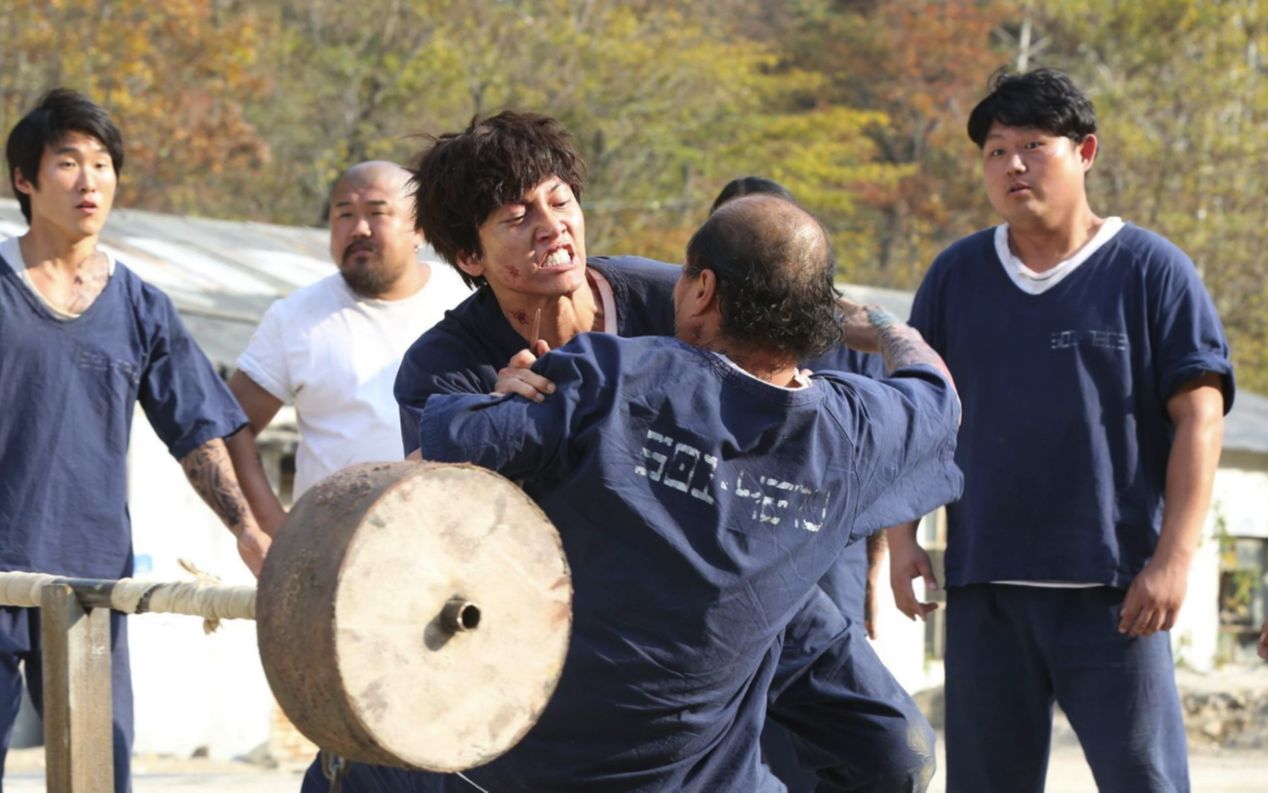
[191, 690]
[900, 642]
[1239, 507]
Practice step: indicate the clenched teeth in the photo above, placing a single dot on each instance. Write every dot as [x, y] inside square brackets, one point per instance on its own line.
[558, 258]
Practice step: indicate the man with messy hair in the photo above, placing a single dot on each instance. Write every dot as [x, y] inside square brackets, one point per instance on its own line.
[501, 202]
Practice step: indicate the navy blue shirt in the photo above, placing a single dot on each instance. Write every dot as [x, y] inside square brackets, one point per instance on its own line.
[697, 507]
[68, 389]
[1066, 435]
[463, 352]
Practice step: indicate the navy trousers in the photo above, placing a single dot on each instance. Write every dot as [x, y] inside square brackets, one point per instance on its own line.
[871, 736]
[1012, 651]
[838, 721]
[20, 644]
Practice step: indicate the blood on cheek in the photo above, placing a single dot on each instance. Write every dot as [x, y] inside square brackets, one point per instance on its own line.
[513, 273]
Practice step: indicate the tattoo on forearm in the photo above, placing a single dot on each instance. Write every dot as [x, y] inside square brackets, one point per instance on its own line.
[211, 473]
[902, 345]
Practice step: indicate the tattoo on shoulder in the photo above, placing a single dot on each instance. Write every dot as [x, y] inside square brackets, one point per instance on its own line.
[210, 471]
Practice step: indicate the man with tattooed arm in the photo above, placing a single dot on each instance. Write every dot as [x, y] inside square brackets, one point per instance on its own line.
[82, 340]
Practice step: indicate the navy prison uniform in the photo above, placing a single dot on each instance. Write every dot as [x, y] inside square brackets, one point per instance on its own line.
[698, 506]
[1064, 449]
[69, 387]
[854, 727]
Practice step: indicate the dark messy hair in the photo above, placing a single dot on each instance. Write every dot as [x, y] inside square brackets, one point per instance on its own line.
[775, 269]
[462, 177]
[1043, 99]
[58, 112]
[749, 185]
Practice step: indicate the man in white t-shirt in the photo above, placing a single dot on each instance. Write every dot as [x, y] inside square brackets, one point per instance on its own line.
[333, 347]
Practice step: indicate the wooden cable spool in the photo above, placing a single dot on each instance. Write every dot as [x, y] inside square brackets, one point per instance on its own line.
[414, 615]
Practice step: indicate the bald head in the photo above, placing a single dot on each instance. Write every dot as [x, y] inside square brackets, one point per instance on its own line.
[774, 267]
[372, 236]
[380, 172]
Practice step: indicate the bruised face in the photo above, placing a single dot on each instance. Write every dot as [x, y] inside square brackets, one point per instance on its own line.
[372, 236]
[534, 246]
[1035, 177]
[76, 189]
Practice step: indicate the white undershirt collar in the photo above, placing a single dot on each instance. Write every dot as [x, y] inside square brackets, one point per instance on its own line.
[1033, 283]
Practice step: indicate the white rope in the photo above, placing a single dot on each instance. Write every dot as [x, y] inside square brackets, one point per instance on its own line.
[23, 589]
[196, 598]
[213, 602]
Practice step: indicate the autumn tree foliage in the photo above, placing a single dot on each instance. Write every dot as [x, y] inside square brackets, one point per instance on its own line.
[178, 76]
[249, 110]
[921, 64]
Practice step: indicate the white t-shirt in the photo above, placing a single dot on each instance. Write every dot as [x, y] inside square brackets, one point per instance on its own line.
[335, 354]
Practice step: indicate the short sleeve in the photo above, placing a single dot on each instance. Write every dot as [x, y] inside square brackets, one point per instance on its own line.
[904, 431]
[264, 360]
[182, 395]
[1188, 336]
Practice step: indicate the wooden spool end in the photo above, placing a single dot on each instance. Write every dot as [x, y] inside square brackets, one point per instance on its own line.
[442, 596]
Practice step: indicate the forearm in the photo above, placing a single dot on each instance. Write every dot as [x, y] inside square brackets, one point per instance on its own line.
[902, 536]
[1195, 454]
[902, 345]
[873, 329]
[210, 472]
[875, 555]
[254, 482]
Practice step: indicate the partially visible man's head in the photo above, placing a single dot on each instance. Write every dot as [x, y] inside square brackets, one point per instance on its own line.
[774, 269]
[464, 177]
[749, 185]
[1043, 99]
[72, 142]
[372, 236]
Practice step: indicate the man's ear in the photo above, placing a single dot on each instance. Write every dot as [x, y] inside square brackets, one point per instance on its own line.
[701, 293]
[1088, 148]
[21, 183]
[471, 264]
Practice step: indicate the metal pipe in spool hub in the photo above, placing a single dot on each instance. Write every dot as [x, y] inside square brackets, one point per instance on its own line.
[411, 615]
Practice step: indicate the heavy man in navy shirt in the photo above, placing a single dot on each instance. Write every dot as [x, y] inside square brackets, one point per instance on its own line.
[1095, 376]
[687, 565]
[82, 340]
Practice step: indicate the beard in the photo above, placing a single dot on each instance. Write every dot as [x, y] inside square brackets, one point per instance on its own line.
[368, 276]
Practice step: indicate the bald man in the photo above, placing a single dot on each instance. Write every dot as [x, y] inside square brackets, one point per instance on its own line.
[701, 486]
[333, 348]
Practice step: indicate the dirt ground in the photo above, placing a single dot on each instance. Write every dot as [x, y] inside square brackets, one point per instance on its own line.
[1212, 772]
